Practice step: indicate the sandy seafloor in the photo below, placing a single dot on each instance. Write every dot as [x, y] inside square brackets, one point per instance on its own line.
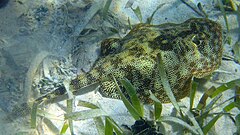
[30, 29]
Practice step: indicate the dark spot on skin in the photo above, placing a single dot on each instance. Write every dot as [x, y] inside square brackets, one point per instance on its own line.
[146, 82]
[3, 3]
[201, 48]
[60, 91]
[205, 54]
[117, 60]
[142, 39]
[206, 63]
[90, 77]
[178, 75]
[136, 51]
[152, 34]
[202, 59]
[74, 82]
[110, 46]
[176, 67]
[100, 71]
[193, 70]
[192, 64]
[177, 86]
[87, 7]
[158, 43]
[180, 48]
[194, 27]
[184, 34]
[185, 59]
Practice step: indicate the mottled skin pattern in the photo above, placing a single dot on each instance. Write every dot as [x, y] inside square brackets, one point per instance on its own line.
[190, 49]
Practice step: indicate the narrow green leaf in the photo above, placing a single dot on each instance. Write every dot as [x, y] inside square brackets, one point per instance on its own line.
[200, 7]
[210, 91]
[99, 124]
[34, 115]
[131, 90]
[97, 120]
[157, 106]
[224, 13]
[69, 110]
[80, 91]
[226, 108]
[138, 13]
[128, 105]
[193, 6]
[192, 93]
[237, 96]
[116, 128]
[149, 19]
[212, 103]
[106, 8]
[225, 87]
[237, 119]
[207, 93]
[66, 84]
[211, 124]
[237, 104]
[202, 102]
[87, 104]
[46, 114]
[157, 110]
[229, 107]
[201, 118]
[86, 114]
[236, 50]
[64, 127]
[178, 121]
[207, 127]
[52, 127]
[129, 24]
[205, 111]
[193, 120]
[22, 133]
[166, 85]
[108, 127]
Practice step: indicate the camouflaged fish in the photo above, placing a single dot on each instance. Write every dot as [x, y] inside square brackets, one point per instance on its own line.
[190, 49]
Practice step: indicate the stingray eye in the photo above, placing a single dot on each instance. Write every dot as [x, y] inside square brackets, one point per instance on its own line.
[199, 38]
[196, 40]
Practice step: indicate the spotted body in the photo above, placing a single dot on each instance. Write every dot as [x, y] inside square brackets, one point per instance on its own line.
[190, 49]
